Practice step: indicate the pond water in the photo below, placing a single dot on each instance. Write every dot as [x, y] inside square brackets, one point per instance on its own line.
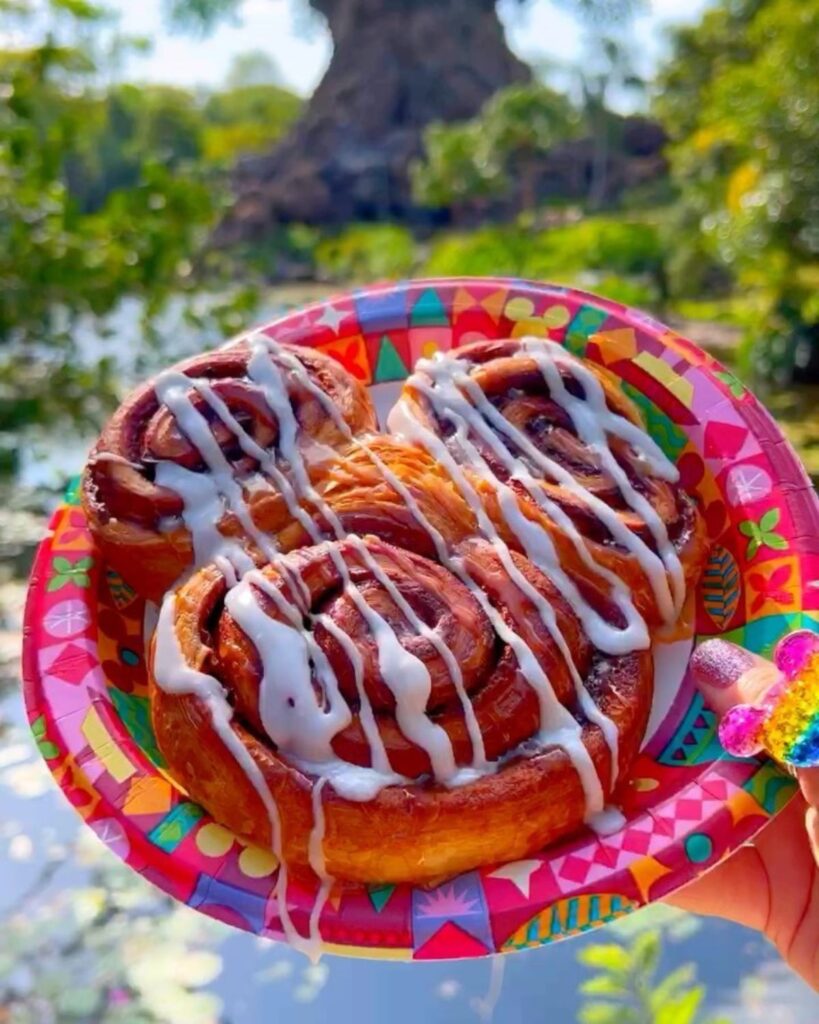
[85, 939]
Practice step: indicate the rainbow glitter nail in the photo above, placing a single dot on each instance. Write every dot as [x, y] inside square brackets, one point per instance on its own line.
[786, 722]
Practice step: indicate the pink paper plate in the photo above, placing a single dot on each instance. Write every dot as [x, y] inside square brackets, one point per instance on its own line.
[687, 804]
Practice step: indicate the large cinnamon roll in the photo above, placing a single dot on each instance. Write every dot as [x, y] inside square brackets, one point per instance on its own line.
[451, 725]
[201, 452]
[526, 418]
[399, 657]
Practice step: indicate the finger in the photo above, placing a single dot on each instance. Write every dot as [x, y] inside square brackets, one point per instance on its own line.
[765, 706]
[737, 889]
[809, 784]
[812, 823]
[728, 675]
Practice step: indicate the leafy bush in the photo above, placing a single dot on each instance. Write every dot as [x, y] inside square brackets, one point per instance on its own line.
[496, 151]
[246, 119]
[628, 989]
[366, 252]
[627, 986]
[611, 250]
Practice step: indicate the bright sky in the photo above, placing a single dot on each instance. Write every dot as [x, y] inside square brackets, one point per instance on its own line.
[543, 31]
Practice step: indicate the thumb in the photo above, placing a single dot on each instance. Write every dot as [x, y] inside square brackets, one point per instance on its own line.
[764, 705]
[727, 675]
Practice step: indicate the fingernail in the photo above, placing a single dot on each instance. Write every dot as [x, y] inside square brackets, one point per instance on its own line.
[719, 664]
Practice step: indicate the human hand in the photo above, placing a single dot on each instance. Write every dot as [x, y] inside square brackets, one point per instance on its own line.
[772, 883]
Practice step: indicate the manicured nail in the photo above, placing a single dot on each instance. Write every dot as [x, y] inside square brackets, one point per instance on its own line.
[719, 664]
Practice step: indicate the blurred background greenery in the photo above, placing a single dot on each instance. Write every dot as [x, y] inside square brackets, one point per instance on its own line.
[702, 204]
[141, 221]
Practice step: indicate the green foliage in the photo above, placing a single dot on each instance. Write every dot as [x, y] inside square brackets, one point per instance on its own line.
[500, 148]
[106, 194]
[366, 252]
[121, 128]
[741, 100]
[256, 67]
[199, 16]
[627, 987]
[621, 257]
[604, 12]
[457, 169]
[245, 119]
[59, 263]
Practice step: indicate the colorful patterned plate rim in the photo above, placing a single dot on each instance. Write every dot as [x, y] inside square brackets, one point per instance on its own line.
[687, 805]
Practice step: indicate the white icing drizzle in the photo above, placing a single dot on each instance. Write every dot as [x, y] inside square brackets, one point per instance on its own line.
[485, 1005]
[405, 675]
[473, 728]
[317, 863]
[172, 390]
[604, 635]
[378, 752]
[288, 707]
[594, 422]
[548, 355]
[525, 529]
[557, 725]
[352, 781]
[315, 848]
[174, 675]
[606, 822]
[202, 509]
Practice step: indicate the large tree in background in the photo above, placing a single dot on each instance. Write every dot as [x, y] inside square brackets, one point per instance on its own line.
[397, 66]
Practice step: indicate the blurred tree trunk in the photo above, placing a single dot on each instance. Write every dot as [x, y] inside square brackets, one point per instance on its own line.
[397, 65]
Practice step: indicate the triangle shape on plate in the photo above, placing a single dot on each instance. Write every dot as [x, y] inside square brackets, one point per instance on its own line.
[380, 895]
[494, 304]
[461, 303]
[450, 941]
[390, 365]
[429, 311]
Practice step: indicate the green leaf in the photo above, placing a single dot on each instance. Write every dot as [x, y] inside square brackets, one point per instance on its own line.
[770, 519]
[79, 8]
[48, 749]
[682, 1010]
[775, 541]
[82, 580]
[57, 582]
[608, 956]
[601, 1013]
[62, 564]
[38, 727]
[748, 528]
[84, 563]
[753, 546]
[645, 952]
[670, 986]
[605, 985]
